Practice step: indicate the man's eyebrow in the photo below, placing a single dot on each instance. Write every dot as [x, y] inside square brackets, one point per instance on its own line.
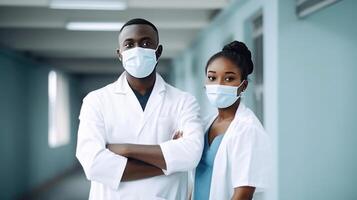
[147, 38]
[128, 40]
[141, 39]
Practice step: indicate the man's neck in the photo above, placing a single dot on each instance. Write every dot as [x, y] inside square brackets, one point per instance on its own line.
[141, 85]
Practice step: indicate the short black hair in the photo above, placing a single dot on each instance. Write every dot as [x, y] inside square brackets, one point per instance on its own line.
[140, 21]
[239, 54]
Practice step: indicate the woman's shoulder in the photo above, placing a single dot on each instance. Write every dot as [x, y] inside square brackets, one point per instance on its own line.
[247, 124]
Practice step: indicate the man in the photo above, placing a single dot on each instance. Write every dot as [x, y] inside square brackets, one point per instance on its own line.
[125, 134]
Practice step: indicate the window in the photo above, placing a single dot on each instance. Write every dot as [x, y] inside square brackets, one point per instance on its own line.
[258, 67]
[58, 107]
[307, 7]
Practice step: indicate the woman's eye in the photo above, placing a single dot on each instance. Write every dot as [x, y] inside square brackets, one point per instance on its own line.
[229, 79]
[211, 78]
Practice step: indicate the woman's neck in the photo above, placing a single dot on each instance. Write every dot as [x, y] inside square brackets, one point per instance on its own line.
[227, 114]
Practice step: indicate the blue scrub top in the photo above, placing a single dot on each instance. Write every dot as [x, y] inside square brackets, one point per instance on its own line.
[204, 169]
[143, 99]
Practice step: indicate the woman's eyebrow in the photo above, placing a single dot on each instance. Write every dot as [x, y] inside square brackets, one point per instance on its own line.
[231, 73]
[211, 72]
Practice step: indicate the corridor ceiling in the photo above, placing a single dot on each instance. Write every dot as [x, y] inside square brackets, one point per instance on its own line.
[39, 30]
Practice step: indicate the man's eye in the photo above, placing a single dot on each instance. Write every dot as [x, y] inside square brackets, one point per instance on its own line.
[128, 45]
[146, 44]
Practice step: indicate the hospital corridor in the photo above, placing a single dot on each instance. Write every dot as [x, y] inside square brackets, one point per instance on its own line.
[87, 110]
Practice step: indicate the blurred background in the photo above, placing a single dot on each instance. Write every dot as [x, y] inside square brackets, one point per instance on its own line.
[53, 52]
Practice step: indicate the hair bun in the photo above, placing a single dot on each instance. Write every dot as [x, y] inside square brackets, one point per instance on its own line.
[241, 49]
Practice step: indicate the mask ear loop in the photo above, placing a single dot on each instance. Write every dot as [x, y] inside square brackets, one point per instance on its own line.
[242, 92]
[157, 59]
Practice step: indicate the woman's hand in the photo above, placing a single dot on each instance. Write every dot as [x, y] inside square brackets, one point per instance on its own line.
[178, 135]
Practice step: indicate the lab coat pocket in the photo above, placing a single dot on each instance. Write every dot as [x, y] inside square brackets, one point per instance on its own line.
[165, 128]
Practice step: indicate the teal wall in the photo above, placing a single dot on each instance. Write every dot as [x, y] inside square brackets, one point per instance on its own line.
[13, 125]
[317, 103]
[26, 159]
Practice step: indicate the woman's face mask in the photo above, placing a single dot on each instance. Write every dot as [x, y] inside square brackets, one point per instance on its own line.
[139, 62]
[223, 96]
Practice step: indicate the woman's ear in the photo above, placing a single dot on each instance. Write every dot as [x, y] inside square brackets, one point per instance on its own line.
[244, 85]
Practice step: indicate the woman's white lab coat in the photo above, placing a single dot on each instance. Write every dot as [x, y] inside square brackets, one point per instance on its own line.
[243, 157]
[113, 115]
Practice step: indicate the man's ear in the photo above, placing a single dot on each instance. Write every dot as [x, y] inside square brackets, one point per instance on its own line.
[159, 51]
[118, 54]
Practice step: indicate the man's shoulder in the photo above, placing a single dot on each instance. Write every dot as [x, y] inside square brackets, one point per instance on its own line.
[101, 92]
[178, 93]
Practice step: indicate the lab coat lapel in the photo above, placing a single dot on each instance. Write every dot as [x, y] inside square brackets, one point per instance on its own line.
[131, 107]
[155, 101]
[134, 106]
[220, 164]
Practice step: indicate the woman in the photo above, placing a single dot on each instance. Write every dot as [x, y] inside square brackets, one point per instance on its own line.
[235, 159]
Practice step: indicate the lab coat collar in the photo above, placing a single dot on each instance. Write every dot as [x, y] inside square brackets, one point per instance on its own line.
[121, 86]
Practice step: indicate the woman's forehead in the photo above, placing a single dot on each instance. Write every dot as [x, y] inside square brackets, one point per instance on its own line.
[222, 64]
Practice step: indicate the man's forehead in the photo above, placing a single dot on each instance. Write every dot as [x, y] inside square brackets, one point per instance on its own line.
[137, 31]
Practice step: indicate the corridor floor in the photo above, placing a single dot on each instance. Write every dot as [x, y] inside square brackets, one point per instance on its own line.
[73, 187]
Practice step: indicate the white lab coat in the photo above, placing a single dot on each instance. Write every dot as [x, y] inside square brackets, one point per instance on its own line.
[243, 157]
[113, 115]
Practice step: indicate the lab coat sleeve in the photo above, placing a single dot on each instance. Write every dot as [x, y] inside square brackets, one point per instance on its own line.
[250, 158]
[99, 164]
[184, 154]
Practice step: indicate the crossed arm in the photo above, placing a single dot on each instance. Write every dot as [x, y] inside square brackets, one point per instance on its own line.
[136, 169]
[144, 161]
[243, 193]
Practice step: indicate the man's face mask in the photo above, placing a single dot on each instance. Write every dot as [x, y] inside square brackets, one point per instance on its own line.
[139, 62]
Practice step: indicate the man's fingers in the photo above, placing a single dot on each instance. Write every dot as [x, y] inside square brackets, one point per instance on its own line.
[178, 134]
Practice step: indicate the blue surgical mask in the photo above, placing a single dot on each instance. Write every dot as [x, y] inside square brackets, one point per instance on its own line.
[139, 62]
[223, 96]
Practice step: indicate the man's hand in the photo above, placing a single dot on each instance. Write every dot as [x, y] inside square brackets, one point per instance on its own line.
[178, 135]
